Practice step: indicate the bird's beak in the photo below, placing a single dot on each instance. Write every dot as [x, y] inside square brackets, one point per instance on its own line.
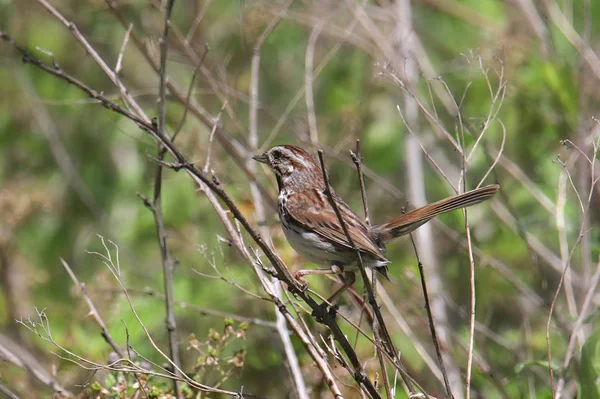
[262, 158]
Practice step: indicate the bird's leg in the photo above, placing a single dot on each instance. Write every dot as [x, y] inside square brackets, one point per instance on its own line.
[348, 279]
[299, 275]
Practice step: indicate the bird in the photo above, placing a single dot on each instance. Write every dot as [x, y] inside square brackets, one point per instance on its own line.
[312, 228]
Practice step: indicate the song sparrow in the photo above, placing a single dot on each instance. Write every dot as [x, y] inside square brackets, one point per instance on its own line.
[311, 225]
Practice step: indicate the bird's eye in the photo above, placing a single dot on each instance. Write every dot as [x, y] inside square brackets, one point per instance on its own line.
[277, 154]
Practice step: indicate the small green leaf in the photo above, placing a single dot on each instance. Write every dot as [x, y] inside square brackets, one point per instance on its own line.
[96, 386]
[538, 363]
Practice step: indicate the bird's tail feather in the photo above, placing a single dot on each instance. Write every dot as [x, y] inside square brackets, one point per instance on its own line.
[410, 221]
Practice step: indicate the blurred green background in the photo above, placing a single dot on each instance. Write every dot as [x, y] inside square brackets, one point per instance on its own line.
[71, 170]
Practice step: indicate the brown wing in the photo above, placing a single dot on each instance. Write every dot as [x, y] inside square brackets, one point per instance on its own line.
[313, 210]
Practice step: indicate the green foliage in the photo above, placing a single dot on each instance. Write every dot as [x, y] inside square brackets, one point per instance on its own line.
[221, 358]
[589, 367]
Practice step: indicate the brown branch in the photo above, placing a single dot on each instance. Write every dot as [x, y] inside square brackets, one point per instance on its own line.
[93, 311]
[21, 357]
[189, 93]
[308, 83]
[431, 323]
[357, 160]
[168, 262]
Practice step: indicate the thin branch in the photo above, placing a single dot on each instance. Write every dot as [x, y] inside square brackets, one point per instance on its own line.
[357, 160]
[168, 263]
[431, 323]
[93, 311]
[308, 84]
[91, 51]
[189, 93]
[119, 65]
[5, 390]
[378, 349]
[473, 299]
[557, 390]
[21, 357]
[211, 136]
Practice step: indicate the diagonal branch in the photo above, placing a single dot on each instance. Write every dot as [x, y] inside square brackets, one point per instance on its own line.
[93, 311]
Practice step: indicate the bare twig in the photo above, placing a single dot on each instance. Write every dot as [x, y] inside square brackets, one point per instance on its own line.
[91, 51]
[189, 93]
[9, 394]
[378, 349]
[308, 84]
[473, 299]
[21, 357]
[576, 333]
[168, 262]
[211, 137]
[119, 65]
[64, 160]
[93, 311]
[357, 159]
[434, 336]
